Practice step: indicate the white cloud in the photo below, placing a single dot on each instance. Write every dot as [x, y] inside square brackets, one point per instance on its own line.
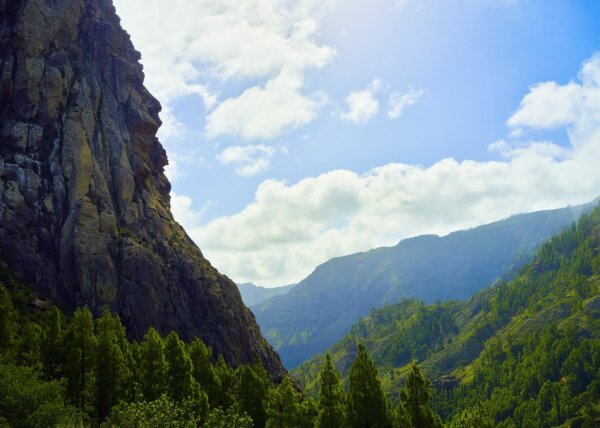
[181, 207]
[362, 104]
[400, 4]
[290, 228]
[397, 102]
[192, 47]
[265, 112]
[247, 160]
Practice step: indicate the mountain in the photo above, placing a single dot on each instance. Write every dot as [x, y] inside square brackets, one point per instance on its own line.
[527, 349]
[323, 307]
[254, 294]
[84, 200]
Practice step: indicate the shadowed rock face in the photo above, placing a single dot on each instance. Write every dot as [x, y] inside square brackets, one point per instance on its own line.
[84, 202]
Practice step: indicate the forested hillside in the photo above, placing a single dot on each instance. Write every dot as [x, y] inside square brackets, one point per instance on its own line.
[321, 309]
[66, 371]
[527, 351]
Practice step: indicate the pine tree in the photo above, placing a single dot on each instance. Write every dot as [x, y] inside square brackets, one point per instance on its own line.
[367, 405]
[400, 417]
[126, 347]
[203, 371]
[251, 391]
[227, 379]
[30, 343]
[473, 417]
[8, 326]
[180, 383]
[331, 398]
[283, 408]
[111, 371]
[153, 366]
[52, 344]
[80, 348]
[417, 400]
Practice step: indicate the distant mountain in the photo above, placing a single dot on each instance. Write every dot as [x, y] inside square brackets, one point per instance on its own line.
[254, 294]
[321, 309]
[528, 350]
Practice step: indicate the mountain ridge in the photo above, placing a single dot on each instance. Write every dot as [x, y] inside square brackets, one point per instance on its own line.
[528, 348]
[253, 294]
[322, 308]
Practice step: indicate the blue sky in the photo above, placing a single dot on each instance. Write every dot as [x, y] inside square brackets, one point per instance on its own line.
[299, 131]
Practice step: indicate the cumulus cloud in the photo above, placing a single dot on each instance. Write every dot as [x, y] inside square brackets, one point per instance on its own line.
[290, 228]
[362, 104]
[265, 112]
[247, 161]
[397, 102]
[192, 47]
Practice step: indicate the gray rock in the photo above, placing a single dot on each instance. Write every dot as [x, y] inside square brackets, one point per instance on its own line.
[84, 203]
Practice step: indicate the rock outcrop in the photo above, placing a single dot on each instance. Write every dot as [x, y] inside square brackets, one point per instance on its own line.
[84, 202]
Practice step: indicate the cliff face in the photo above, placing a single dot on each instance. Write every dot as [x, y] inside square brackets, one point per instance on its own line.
[84, 203]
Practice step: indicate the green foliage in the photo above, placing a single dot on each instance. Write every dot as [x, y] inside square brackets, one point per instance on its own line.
[8, 327]
[250, 392]
[153, 366]
[180, 383]
[80, 347]
[204, 372]
[367, 405]
[111, 371]
[283, 406]
[52, 343]
[473, 417]
[417, 396]
[162, 412]
[28, 401]
[332, 398]
[521, 353]
[227, 378]
[321, 309]
[217, 418]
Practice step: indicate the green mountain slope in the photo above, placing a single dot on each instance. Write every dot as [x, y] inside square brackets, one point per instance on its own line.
[323, 307]
[255, 294]
[529, 349]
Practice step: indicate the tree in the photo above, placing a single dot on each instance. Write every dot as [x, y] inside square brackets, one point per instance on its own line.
[161, 412]
[251, 391]
[112, 373]
[8, 326]
[283, 408]
[367, 405]
[27, 401]
[52, 344]
[203, 371]
[217, 418]
[80, 348]
[473, 417]
[331, 398]
[227, 380]
[180, 383]
[417, 400]
[29, 344]
[400, 417]
[153, 365]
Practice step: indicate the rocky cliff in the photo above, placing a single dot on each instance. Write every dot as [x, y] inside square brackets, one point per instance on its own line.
[84, 202]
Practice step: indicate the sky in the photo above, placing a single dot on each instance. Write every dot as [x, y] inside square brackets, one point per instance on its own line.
[298, 131]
